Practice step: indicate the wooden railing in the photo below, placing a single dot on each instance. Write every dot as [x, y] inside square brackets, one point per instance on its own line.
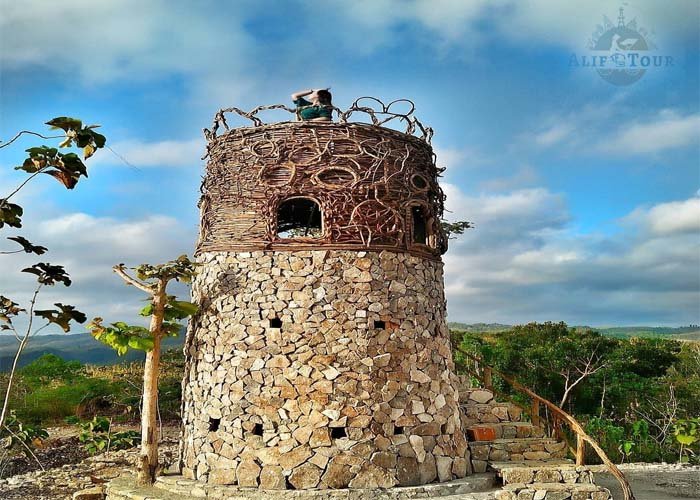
[554, 418]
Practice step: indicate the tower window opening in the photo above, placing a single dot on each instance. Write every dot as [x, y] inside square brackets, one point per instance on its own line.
[275, 323]
[420, 226]
[398, 430]
[338, 432]
[258, 429]
[379, 325]
[299, 218]
[214, 424]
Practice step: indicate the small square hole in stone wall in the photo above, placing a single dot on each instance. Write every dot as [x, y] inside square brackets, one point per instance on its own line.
[398, 430]
[214, 424]
[275, 323]
[443, 429]
[338, 432]
[258, 430]
[379, 324]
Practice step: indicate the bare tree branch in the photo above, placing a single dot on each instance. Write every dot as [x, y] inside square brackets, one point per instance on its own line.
[121, 271]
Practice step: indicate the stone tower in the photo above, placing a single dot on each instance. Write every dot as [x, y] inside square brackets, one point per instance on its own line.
[320, 357]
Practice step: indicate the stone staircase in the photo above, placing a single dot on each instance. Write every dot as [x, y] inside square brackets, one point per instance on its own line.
[530, 465]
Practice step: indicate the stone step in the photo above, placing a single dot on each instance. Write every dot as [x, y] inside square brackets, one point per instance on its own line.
[176, 487]
[506, 450]
[552, 462]
[490, 413]
[508, 430]
[553, 491]
[544, 472]
[475, 395]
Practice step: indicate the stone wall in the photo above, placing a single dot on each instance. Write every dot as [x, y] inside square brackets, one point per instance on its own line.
[320, 369]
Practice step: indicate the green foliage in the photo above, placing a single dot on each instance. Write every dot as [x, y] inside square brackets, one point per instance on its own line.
[629, 406]
[51, 390]
[453, 228]
[16, 434]
[120, 336]
[97, 436]
[49, 368]
[686, 433]
[66, 168]
[84, 137]
[180, 269]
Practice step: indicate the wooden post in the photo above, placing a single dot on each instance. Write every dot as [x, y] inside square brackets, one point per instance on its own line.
[535, 413]
[488, 378]
[580, 450]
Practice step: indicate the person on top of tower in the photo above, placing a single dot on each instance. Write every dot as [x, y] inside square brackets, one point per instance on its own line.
[319, 109]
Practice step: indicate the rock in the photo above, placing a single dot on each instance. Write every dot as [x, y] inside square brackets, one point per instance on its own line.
[247, 473]
[444, 468]
[338, 474]
[418, 448]
[481, 397]
[519, 475]
[272, 478]
[419, 377]
[428, 469]
[384, 459]
[547, 476]
[371, 476]
[96, 493]
[320, 437]
[305, 476]
[407, 471]
[222, 476]
[295, 457]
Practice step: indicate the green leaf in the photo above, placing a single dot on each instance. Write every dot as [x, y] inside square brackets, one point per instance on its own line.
[147, 310]
[185, 307]
[141, 343]
[28, 246]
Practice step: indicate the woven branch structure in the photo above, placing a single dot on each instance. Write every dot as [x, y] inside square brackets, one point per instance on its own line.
[369, 181]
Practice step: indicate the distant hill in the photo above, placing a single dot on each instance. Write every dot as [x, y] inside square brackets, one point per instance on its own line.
[691, 332]
[479, 327]
[78, 347]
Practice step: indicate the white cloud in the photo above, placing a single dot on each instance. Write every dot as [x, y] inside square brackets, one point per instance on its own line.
[669, 218]
[665, 131]
[167, 153]
[554, 134]
[88, 246]
[524, 262]
[522, 177]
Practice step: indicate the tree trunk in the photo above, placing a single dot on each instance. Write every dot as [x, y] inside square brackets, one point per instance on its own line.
[149, 413]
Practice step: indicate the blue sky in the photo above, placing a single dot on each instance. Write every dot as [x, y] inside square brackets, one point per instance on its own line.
[584, 194]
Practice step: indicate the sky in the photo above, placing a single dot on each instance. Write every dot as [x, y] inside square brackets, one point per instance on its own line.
[585, 195]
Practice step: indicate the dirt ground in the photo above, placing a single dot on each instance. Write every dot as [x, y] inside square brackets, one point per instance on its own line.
[655, 481]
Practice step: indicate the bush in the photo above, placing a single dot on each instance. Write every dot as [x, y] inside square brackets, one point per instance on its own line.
[97, 436]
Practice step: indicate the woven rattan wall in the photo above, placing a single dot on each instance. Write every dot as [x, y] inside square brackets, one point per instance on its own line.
[366, 179]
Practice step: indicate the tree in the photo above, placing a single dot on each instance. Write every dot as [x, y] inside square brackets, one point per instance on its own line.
[165, 312]
[67, 168]
[550, 356]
